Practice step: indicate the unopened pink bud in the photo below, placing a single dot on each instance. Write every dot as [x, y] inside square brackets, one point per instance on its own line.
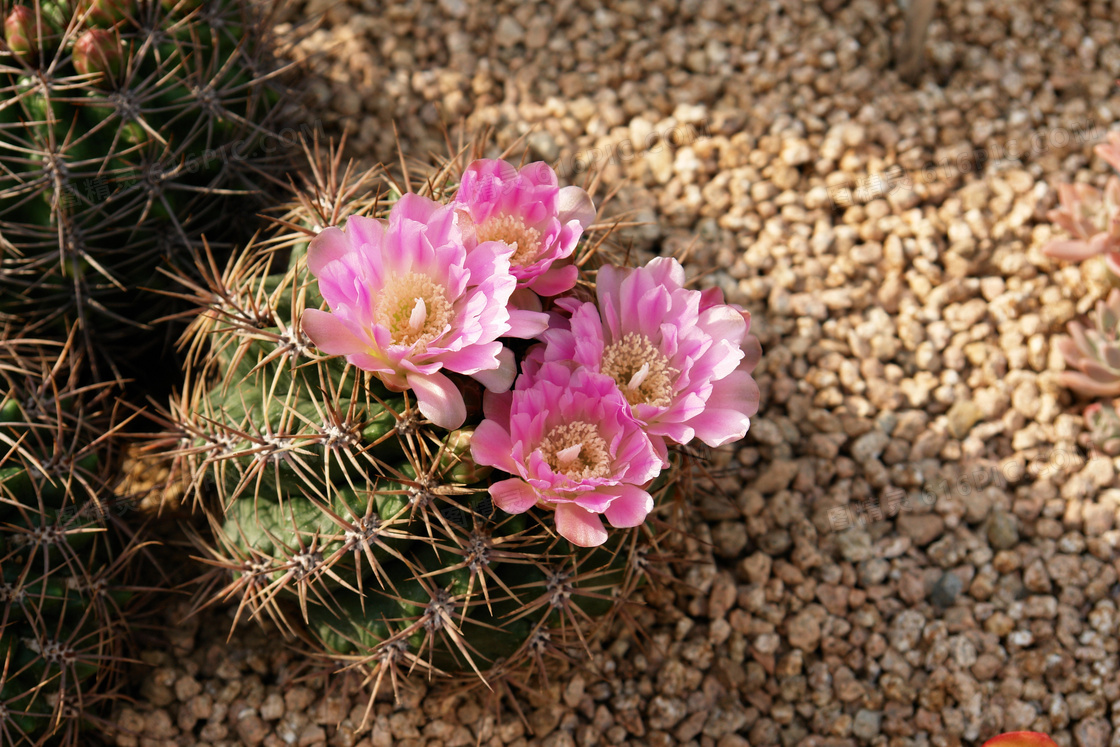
[19, 31]
[98, 51]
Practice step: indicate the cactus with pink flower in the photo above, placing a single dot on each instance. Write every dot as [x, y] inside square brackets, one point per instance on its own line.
[423, 443]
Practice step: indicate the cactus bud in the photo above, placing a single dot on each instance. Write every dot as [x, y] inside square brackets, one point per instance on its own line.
[108, 12]
[19, 31]
[98, 51]
[457, 461]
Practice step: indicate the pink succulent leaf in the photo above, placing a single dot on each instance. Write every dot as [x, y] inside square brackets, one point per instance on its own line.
[1097, 371]
[1082, 383]
[1069, 250]
[1070, 347]
[1110, 355]
[1091, 217]
[1110, 151]
[406, 301]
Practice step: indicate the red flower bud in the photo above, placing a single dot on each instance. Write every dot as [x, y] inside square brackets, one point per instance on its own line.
[99, 51]
[19, 32]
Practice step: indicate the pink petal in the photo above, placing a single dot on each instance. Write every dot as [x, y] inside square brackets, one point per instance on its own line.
[513, 496]
[574, 204]
[362, 231]
[725, 417]
[555, 280]
[580, 527]
[630, 508]
[496, 407]
[525, 325]
[330, 335]
[331, 245]
[499, 379]
[440, 401]
[491, 447]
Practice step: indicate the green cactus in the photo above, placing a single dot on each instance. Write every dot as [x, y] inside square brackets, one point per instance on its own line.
[62, 590]
[128, 129]
[341, 514]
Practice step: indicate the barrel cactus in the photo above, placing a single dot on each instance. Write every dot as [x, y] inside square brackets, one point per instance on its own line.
[128, 129]
[64, 574]
[405, 437]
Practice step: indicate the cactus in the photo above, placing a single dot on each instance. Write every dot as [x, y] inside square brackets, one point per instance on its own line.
[128, 128]
[62, 591]
[342, 513]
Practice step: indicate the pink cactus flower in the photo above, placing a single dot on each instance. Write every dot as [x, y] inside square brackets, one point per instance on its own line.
[682, 358]
[407, 301]
[568, 438]
[1092, 218]
[527, 210]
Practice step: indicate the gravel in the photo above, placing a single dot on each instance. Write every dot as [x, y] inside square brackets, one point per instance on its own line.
[907, 549]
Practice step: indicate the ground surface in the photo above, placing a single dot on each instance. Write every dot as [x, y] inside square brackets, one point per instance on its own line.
[911, 552]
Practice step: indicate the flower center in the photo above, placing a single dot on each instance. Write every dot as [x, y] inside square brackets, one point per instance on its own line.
[642, 371]
[576, 450]
[414, 308]
[510, 229]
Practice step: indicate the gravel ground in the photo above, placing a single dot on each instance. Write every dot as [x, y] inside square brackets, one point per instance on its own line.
[920, 555]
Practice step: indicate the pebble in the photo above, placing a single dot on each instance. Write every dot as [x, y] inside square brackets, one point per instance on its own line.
[1003, 530]
[945, 591]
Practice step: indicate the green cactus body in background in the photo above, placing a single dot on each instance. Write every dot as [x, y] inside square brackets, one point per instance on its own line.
[128, 129]
[342, 514]
[63, 565]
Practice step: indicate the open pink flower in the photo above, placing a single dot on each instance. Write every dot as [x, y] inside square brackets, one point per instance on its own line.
[407, 300]
[1092, 218]
[568, 438]
[527, 210]
[681, 357]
